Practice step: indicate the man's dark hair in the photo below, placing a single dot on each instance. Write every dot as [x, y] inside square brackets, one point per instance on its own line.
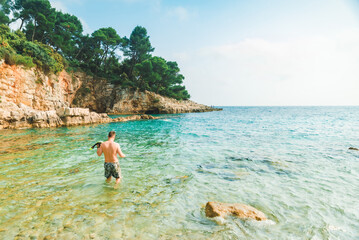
[111, 134]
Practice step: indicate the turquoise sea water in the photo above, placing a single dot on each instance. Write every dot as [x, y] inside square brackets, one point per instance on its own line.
[292, 163]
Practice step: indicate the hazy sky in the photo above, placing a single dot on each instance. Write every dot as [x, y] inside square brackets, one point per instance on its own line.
[233, 52]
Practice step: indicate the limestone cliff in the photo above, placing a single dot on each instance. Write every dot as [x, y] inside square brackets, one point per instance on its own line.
[29, 98]
[35, 89]
[101, 96]
[14, 116]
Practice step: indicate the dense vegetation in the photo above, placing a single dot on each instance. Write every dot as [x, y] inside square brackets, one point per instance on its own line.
[52, 40]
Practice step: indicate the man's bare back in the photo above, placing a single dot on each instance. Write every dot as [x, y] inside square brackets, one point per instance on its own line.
[110, 149]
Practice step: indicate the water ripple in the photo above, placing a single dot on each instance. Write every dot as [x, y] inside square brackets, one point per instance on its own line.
[290, 163]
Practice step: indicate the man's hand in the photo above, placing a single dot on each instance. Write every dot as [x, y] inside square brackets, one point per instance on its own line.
[120, 152]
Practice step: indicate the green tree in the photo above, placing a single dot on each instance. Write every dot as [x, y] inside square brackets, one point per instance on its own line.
[144, 75]
[66, 34]
[5, 6]
[137, 49]
[160, 76]
[106, 42]
[85, 51]
[36, 15]
[42, 19]
[21, 11]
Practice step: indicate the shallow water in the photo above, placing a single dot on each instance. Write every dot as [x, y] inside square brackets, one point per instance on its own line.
[292, 163]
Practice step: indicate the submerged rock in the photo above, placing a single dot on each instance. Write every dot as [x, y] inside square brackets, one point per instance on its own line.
[49, 237]
[134, 118]
[76, 170]
[217, 209]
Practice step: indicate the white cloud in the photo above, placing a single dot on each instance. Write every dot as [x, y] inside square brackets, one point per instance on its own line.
[181, 56]
[60, 6]
[15, 25]
[155, 4]
[86, 28]
[309, 71]
[179, 12]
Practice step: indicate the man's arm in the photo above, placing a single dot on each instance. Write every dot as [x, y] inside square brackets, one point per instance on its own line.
[99, 151]
[120, 152]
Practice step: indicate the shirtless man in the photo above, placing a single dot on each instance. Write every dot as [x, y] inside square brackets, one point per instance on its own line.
[110, 150]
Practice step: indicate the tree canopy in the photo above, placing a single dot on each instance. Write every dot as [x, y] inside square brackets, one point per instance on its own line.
[5, 11]
[52, 40]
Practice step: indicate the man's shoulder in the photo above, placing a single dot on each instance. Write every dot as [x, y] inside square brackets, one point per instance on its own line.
[115, 144]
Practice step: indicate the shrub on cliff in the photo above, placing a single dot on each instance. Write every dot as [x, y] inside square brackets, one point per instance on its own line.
[44, 56]
[15, 49]
[16, 59]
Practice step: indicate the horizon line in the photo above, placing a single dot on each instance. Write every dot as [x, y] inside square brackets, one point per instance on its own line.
[284, 105]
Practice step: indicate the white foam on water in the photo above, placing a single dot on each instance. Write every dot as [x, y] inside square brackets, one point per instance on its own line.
[219, 220]
[260, 224]
[335, 228]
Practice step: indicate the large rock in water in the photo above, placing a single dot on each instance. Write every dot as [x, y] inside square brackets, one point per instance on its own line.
[217, 209]
[353, 148]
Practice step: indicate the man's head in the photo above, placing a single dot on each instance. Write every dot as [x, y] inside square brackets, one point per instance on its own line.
[112, 134]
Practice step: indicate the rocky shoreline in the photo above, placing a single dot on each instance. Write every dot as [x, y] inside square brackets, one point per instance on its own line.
[20, 116]
[32, 99]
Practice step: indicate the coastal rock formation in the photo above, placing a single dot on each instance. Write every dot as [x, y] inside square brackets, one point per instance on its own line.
[81, 116]
[126, 100]
[35, 89]
[50, 92]
[14, 116]
[101, 96]
[30, 98]
[22, 116]
[217, 209]
[134, 118]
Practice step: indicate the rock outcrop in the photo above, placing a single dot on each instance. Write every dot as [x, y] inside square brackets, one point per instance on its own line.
[101, 96]
[353, 148]
[134, 118]
[37, 90]
[217, 209]
[14, 116]
[29, 98]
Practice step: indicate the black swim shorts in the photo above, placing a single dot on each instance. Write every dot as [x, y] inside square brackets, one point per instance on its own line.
[112, 169]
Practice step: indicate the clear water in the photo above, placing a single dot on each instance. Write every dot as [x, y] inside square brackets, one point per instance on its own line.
[292, 163]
